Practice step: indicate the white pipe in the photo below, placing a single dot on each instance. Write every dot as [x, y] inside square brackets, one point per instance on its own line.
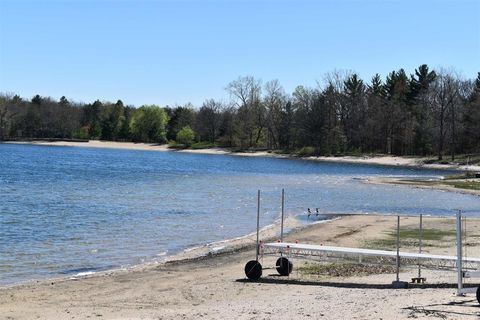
[459, 253]
[283, 210]
[258, 225]
[420, 245]
[398, 248]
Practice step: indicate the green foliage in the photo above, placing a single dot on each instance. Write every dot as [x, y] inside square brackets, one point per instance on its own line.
[95, 130]
[424, 113]
[468, 184]
[82, 133]
[185, 136]
[148, 124]
[427, 234]
[409, 237]
[180, 117]
[202, 145]
[172, 144]
[112, 119]
[306, 152]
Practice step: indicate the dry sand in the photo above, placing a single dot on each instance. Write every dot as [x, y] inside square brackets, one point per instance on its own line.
[215, 287]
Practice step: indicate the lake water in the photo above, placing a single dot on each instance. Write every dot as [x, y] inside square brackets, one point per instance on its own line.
[69, 210]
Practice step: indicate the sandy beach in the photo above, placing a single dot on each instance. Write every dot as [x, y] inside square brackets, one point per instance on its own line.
[215, 287]
[209, 282]
[439, 185]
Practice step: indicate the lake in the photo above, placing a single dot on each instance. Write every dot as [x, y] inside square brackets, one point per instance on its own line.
[66, 210]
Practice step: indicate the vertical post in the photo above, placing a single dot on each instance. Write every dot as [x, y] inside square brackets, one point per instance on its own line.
[459, 253]
[258, 225]
[283, 212]
[420, 236]
[398, 248]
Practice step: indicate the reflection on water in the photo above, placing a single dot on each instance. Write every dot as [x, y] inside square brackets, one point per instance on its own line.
[74, 210]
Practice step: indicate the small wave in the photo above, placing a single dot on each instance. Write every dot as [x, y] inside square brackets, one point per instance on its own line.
[217, 249]
[85, 270]
[83, 274]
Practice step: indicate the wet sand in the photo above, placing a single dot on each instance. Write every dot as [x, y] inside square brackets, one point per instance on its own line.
[215, 287]
[209, 282]
[437, 185]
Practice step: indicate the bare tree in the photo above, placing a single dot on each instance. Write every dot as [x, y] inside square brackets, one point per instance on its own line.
[445, 102]
[245, 93]
[209, 119]
[274, 101]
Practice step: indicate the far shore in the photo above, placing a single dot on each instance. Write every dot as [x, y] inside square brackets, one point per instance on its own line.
[384, 160]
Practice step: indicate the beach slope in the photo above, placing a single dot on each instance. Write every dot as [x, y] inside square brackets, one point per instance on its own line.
[214, 287]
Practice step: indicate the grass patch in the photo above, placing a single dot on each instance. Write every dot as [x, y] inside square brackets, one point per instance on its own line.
[306, 152]
[390, 244]
[466, 175]
[343, 269]
[172, 144]
[427, 234]
[461, 181]
[409, 238]
[471, 159]
[472, 185]
[420, 182]
[462, 159]
[202, 145]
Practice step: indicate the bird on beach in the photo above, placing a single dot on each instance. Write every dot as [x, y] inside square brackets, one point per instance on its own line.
[308, 212]
[316, 212]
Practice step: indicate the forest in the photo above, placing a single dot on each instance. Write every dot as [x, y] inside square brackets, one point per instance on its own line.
[428, 112]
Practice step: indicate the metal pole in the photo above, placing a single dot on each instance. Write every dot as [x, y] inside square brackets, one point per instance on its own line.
[459, 253]
[420, 246]
[258, 224]
[283, 211]
[398, 249]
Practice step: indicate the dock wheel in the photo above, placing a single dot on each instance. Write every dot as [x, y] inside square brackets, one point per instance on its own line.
[253, 270]
[478, 294]
[284, 266]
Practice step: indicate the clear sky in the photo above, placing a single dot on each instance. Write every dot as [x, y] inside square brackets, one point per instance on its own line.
[174, 52]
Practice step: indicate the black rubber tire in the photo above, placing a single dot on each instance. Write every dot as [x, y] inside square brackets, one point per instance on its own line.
[478, 294]
[284, 266]
[253, 270]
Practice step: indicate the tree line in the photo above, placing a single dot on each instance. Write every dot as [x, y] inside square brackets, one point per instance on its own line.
[424, 113]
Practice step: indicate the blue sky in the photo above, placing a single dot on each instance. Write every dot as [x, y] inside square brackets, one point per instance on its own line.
[174, 52]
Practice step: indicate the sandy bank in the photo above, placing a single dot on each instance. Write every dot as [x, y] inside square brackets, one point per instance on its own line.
[377, 160]
[437, 184]
[215, 287]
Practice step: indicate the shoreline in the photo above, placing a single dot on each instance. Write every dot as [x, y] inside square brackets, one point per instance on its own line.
[393, 161]
[421, 184]
[241, 243]
[208, 281]
[214, 286]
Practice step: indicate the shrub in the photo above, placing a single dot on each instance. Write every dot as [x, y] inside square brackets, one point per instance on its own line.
[202, 145]
[185, 136]
[306, 152]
